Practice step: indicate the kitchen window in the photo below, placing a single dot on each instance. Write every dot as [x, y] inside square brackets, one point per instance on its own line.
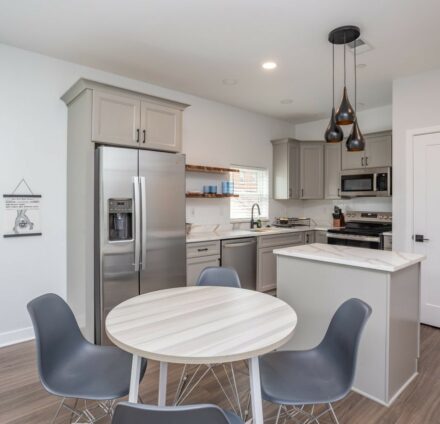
[252, 186]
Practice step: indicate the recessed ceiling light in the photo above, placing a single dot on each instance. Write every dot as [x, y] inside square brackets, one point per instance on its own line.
[269, 65]
[361, 104]
[361, 65]
[230, 81]
[286, 101]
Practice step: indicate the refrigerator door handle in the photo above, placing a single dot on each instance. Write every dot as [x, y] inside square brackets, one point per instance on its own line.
[144, 222]
[137, 223]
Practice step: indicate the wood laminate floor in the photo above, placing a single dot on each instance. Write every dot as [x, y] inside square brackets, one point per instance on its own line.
[24, 401]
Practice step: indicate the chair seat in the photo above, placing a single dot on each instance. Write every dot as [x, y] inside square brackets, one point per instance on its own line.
[92, 372]
[301, 378]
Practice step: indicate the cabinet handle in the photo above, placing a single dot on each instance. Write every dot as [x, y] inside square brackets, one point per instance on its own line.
[362, 161]
[145, 136]
[203, 250]
[366, 161]
[302, 192]
[137, 137]
[290, 192]
[339, 192]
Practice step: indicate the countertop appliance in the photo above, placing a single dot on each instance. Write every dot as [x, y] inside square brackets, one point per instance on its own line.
[362, 229]
[140, 240]
[372, 182]
[241, 254]
[291, 222]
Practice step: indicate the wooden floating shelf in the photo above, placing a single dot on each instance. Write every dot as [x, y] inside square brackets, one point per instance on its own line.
[210, 196]
[209, 169]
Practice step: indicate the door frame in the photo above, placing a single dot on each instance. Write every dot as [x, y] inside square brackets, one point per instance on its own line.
[410, 143]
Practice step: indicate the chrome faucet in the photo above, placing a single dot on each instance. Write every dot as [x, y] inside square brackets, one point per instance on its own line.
[253, 222]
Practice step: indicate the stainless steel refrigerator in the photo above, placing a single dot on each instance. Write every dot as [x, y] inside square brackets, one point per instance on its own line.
[139, 226]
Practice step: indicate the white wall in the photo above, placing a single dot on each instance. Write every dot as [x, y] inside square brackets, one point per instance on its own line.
[370, 120]
[33, 128]
[416, 105]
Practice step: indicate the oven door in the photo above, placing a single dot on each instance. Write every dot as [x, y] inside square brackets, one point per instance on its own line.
[369, 242]
[353, 185]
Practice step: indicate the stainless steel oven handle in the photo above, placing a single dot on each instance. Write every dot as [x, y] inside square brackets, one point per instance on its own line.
[375, 183]
[144, 222]
[353, 237]
[137, 222]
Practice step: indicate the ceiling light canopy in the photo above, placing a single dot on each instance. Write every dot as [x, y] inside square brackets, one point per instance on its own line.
[269, 65]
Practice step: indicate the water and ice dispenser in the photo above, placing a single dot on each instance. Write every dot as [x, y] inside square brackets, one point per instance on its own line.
[120, 219]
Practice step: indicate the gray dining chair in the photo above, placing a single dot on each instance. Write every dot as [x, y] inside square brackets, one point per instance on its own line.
[322, 375]
[71, 367]
[220, 276]
[132, 413]
[216, 276]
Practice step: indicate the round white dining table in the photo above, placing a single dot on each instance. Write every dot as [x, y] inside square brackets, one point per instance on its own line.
[201, 325]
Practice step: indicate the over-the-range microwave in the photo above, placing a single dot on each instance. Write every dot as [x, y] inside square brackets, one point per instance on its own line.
[371, 182]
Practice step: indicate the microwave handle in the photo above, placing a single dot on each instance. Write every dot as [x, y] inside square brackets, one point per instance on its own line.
[375, 188]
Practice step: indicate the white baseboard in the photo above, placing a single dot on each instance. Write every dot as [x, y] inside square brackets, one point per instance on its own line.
[16, 336]
[395, 396]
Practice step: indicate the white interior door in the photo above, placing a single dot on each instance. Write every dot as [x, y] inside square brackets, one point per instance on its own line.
[426, 238]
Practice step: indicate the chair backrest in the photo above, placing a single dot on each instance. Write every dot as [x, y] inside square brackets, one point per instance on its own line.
[219, 276]
[133, 413]
[56, 333]
[341, 341]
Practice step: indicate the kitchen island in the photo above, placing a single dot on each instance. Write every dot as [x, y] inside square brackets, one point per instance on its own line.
[316, 279]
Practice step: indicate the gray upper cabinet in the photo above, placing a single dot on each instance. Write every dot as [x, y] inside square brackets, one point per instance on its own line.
[332, 170]
[286, 168]
[377, 153]
[378, 149]
[161, 127]
[116, 118]
[128, 118]
[312, 170]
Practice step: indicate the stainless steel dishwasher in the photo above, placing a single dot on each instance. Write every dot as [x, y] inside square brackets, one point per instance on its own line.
[241, 254]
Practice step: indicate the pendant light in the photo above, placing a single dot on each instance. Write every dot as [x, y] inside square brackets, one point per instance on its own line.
[355, 141]
[333, 133]
[345, 114]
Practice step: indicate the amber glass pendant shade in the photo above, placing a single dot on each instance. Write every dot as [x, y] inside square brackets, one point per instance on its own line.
[355, 141]
[345, 115]
[333, 133]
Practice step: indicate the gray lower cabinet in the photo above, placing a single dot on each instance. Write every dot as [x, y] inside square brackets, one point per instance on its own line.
[286, 168]
[332, 170]
[199, 256]
[312, 170]
[320, 236]
[266, 260]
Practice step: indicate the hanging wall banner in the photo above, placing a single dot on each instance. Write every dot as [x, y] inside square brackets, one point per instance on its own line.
[22, 215]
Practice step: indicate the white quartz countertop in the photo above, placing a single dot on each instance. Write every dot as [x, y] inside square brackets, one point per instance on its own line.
[381, 260]
[223, 235]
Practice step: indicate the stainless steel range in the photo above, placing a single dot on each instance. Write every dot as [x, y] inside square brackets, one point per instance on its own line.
[362, 229]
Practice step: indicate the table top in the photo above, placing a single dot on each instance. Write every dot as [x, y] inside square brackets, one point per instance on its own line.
[359, 257]
[201, 325]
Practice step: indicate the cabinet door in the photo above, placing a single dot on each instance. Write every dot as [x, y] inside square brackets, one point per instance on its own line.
[194, 266]
[161, 127]
[312, 170]
[280, 171]
[266, 269]
[294, 167]
[116, 118]
[332, 171]
[320, 236]
[378, 150]
[352, 160]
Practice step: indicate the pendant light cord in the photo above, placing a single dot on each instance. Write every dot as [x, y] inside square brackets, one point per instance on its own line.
[333, 75]
[345, 64]
[355, 79]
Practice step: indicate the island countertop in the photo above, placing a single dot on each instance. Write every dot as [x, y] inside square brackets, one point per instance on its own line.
[381, 260]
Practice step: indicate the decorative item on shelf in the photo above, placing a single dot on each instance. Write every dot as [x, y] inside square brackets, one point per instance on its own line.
[22, 213]
[333, 133]
[346, 114]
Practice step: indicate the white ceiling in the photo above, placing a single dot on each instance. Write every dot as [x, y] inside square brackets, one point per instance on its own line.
[193, 45]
